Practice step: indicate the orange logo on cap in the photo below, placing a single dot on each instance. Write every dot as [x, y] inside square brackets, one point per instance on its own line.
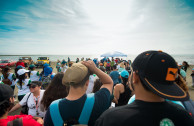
[171, 74]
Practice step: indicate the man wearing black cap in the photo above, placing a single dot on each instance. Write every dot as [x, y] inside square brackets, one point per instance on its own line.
[6, 103]
[152, 81]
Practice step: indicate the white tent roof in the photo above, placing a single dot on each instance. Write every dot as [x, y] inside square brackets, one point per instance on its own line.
[113, 54]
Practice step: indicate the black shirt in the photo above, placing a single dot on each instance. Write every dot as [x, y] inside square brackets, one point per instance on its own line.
[72, 109]
[140, 113]
[124, 97]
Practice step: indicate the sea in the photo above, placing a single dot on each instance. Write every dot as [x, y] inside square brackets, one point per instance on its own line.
[53, 58]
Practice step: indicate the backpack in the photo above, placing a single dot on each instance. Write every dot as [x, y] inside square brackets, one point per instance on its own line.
[84, 116]
[6, 80]
[189, 106]
[16, 122]
[46, 80]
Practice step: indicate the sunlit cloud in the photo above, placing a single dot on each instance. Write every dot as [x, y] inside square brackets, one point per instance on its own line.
[97, 26]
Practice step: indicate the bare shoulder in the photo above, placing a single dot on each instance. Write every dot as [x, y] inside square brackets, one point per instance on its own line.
[119, 87]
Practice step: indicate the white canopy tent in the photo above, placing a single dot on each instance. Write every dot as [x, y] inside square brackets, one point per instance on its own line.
[113, 54]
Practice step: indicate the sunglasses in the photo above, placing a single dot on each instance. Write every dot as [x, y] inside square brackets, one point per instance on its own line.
[32, 86]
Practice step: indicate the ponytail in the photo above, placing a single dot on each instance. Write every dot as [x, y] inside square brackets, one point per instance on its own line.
[21, 78]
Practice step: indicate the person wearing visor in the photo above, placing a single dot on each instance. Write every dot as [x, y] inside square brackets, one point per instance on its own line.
[122, 92]
[152, 80]
[22, 82]
[6, 103]
[32, 99]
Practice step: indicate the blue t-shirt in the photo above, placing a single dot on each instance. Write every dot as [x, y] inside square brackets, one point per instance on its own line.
[72, 109]
[115, 76]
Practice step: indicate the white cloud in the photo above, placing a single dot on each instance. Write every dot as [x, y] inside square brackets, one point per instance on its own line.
[98, 26]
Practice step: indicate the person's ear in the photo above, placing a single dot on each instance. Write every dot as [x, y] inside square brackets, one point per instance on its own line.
[136, 78]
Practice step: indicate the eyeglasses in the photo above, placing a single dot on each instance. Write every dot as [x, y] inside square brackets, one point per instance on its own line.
[32, 86]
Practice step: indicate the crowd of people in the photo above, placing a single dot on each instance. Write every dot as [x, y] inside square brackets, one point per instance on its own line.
[151, 90]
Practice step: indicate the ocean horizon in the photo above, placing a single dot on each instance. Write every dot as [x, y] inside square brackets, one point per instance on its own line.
[53, 58]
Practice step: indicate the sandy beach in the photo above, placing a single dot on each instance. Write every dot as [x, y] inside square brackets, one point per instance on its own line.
[188, 78]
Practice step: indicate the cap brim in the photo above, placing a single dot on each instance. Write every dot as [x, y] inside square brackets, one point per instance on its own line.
[168, 91]
[26, 71]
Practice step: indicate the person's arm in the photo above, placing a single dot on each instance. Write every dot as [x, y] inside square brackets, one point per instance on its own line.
[39, 120]
[17, 106]
[105, 79]
[116, 94]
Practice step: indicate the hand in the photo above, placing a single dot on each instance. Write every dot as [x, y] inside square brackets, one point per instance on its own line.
[90, 65]
[39, 120]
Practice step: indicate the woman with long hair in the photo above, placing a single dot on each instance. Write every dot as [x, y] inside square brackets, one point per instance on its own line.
[54, 91]
[97, 85]
[22, 82]
[122, 92]
[185, 65]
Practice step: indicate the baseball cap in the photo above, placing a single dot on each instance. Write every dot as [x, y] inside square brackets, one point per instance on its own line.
[5, 93]
[20, 67]
[124, 74]
[179, 64]
[158, 70]
[22, 71]
[32, 66]
[75, 74]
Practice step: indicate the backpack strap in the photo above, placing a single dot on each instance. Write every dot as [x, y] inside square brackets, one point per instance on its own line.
[27, 99]
[87, 109]
[55, 113]
[16, 122]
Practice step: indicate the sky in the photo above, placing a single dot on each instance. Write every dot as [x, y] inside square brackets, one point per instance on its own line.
[81, 27]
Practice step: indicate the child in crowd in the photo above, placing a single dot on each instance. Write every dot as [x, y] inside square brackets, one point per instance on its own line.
[192, 75]
[33, 75]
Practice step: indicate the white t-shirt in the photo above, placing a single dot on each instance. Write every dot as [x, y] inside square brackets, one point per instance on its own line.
[32, 105]
[25, 89]
[34, 76]
[91, 84]
[64, 68]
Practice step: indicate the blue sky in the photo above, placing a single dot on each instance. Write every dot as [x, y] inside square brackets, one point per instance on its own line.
[96, 26]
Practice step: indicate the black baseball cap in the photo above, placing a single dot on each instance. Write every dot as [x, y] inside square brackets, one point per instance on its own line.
[6, 92]
[158, 71]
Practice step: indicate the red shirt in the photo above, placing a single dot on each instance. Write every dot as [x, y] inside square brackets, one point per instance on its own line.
[20, 63]
[116, 60]
[27, 120]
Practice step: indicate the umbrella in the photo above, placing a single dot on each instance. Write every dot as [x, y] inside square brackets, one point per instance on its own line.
[113, 54]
